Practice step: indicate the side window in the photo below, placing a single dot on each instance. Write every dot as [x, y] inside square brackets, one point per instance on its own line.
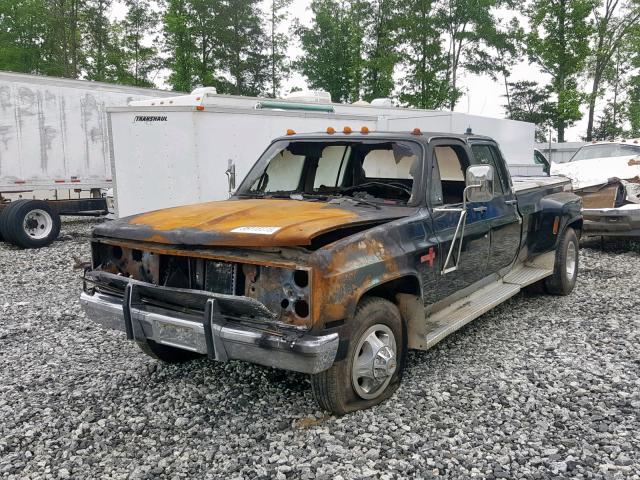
[503, 174]
[451, 162]
[331, 166]
[484, 155]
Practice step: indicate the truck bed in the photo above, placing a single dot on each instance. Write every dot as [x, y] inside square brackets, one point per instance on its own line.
[525, 184]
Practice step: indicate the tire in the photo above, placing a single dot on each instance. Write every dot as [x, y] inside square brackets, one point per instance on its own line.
[29, 224]
[565, 269]
[166, 353]
[2, 215]
[336, 389]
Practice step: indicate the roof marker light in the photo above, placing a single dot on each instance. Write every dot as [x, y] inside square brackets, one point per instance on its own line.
[290, 131]
[416, 131]
[331, 130]
[347, 130]
[364, 129]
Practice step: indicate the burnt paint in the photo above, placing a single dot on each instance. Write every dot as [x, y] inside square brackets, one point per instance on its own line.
[213, 223]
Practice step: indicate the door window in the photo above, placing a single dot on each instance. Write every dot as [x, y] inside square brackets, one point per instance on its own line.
[448, 175]
[487, 155]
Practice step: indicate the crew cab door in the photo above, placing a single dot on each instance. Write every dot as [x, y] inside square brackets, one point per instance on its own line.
[467, 259]
[502, 211]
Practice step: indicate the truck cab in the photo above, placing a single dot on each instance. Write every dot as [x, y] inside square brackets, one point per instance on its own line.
[337, 253]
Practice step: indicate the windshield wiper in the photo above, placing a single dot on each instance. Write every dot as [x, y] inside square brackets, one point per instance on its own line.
[356, 200]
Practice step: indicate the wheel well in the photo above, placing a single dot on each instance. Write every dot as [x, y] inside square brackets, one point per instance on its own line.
[388, 290]
[576, 225]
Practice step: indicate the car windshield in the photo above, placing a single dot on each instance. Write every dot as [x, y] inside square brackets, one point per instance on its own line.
[371, 171]
[589, 152]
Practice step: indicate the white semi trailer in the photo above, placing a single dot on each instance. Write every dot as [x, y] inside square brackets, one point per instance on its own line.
[175, 151]
[54, 145]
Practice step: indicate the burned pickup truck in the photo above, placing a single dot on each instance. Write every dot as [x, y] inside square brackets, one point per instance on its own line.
[337, 253]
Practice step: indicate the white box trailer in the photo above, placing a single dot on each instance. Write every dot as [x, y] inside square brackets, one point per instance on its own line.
[54, 139]
[171, 152]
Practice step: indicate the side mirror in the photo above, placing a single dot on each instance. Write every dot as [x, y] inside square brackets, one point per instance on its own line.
[231, 176]
[479, 182]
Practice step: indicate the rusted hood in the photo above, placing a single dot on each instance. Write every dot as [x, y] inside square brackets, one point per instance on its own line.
[247, 223]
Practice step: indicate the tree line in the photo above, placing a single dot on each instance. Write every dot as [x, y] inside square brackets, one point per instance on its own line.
[415, 51]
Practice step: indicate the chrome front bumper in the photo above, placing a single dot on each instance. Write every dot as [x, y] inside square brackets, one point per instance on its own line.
[219, 332]
[611, 222]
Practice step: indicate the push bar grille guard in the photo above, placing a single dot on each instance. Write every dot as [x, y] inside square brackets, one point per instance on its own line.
[225, 327]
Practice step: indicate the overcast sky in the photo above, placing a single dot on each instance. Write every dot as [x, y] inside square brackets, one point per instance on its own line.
[482, 95]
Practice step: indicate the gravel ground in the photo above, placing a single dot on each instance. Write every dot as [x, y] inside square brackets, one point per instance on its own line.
[540, 387]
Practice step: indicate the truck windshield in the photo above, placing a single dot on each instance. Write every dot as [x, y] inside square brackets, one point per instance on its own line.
[589, 152]
[368, 170]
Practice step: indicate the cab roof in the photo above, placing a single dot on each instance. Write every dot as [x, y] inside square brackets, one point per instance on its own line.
[397, 135]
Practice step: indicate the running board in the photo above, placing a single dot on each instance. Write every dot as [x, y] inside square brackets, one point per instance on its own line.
[455, 316]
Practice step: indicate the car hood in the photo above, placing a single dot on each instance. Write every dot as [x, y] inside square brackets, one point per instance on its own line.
[248, 223]
[598, 171]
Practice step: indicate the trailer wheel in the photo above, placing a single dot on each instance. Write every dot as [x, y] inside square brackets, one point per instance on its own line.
[565, 270]
[166, 353]
[29, 224]
[372, 368]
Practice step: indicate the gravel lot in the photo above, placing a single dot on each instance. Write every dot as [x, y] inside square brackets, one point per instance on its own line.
[540, 387]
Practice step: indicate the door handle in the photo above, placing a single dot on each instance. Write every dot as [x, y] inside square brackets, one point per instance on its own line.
[511, 202]
[480, 209]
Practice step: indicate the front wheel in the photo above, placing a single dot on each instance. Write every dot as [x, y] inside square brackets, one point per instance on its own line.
[372, 368]
[565, 270]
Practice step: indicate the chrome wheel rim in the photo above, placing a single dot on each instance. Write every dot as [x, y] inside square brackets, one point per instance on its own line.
[571, 260]
[374, 361]
[38, 224]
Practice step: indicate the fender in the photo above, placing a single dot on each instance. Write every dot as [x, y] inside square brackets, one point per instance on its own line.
[564, 206]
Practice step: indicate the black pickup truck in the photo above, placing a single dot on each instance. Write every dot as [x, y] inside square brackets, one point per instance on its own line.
[338, 252]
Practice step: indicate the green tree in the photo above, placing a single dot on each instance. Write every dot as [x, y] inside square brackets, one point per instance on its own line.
[22, 23]
[243, 61]
[507, 49]
[101, 53]
[529, 102]
[608, 126]
[426, 81]
[62, 42]
[633, 110]
[278, 42]
[614, 22]
[472, 31]
[180, 45]
[140, 60]
[380, 49]
[332, 46]
[633, 85]
[205, 27]
[558, 43]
